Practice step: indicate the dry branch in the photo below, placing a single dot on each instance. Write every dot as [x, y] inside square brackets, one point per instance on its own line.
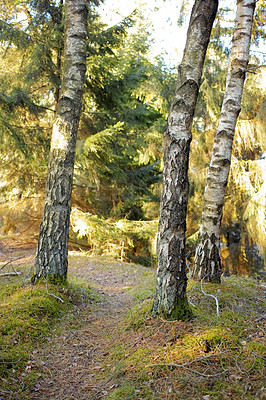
[15, 273]
[211, 295]
[9, 262]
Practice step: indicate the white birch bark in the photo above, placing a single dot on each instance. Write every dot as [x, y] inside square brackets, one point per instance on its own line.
[170, 298]
[207, 264]
[52, 250]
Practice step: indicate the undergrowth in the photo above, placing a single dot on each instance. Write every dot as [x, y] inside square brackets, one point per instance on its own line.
[28, 315]
[123, 239]
[210, 357]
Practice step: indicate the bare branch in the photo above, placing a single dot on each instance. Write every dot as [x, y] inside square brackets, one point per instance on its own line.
[9, 262]
[51, 294]
[211, 295]
[11, 273]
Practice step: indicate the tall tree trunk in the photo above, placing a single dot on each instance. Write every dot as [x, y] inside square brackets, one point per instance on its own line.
[207, 264]
[52, 251]
[59, 61]
[170, 299]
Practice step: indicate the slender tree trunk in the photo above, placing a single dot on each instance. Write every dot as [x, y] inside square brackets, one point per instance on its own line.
[52, 251]
[207, 264]
[170, 299]
[58, 63]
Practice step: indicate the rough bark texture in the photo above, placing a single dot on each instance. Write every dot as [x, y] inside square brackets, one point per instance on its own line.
[170, 299]
[207, 264]
[52, 251]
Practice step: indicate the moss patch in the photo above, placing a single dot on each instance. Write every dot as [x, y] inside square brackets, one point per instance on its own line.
[181, 311]
[28, 315]
[220, 357]
[138, 314]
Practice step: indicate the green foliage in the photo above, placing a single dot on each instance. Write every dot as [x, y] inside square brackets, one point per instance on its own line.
[118, 156]
[259, 22]
[121, 91]
[126, 102]
[24, 142]
[130, 240]
[12, 33]
[122, 169]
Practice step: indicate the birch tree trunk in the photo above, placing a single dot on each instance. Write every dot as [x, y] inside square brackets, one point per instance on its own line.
[207, 264]
[170, 298]
[52, 250]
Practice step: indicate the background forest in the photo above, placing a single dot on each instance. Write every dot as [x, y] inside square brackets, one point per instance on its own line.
[118, 168]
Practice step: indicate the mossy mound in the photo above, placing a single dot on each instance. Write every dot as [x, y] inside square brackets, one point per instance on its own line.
[28, 314]
[212, 356]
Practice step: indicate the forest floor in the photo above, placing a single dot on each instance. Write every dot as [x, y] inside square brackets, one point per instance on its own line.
[111, 348]
[76, 361]
[73, 360]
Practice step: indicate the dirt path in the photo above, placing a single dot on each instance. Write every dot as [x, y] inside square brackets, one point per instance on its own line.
[74, 360]
[75, 364]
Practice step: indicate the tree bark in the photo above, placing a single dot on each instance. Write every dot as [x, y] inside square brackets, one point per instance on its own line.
[52, 250]
[207, 264]
[58, 62]
[170, 298]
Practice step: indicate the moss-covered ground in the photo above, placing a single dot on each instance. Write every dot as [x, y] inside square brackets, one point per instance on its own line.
[210, 357]
[29, 315]
[113, 349]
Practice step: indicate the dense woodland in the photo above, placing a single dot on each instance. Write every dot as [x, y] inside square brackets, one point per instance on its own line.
[118, 165]
[113, 162]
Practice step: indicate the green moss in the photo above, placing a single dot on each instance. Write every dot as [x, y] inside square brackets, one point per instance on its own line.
[27, 316]
[218, 336]
[12, 359]
[8, 288]
[137, 315]
[209, 340]
[54, 279]
[180, 311]
[126, 391]
[139, 357]
[227, 349]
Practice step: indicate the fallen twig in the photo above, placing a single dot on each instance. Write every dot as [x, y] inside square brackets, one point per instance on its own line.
[190, 302]
[257, 355]
[27, 275]
[185, 367]
[260, 318]
[11, 273]
[9, 262]
[51, 294]
[211, 295]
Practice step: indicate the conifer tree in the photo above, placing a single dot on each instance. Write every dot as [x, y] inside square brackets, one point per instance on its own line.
[33, 48]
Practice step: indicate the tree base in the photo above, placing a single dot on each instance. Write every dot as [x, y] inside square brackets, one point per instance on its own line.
[180, 311]
[55, 279]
